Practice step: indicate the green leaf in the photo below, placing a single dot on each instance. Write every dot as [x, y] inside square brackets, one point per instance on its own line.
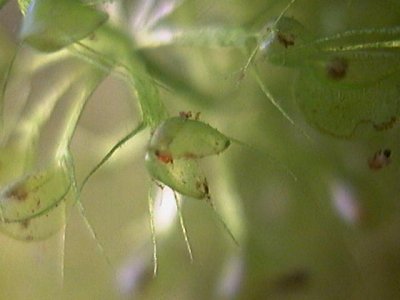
[183, 175]
[173, 150]
[353, 80]
[42, 226]
[34, 194]
[345, 79]
[180, 137]
[52, 25]
[287, 43]
[339, 108]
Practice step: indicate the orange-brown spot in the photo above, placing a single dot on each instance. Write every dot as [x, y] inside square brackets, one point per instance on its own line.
[380, 159]
[189, 115]
[337, 67]
[185, 114]
[164, 157]
[25, 224]
[18, 192]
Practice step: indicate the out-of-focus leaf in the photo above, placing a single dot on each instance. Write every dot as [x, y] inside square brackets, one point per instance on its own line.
[34, 194]
[210, 37]
[42, 226]
[2, 2]
[23, 5]
[338, 110]
[52, 25]
[346, 79]
[287, 43]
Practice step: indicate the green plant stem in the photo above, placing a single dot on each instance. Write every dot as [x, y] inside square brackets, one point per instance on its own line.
[112, 50]
[122, 141]
[85, 89]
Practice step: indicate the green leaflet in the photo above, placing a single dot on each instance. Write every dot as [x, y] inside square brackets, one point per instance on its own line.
[183, 175]
[32, 207]
[173, 150]
[34, 194]
[180, 137]
[172, 160]
[344, 80]
[287, 43]
[338, 110]
[52, 25]
[43, 225]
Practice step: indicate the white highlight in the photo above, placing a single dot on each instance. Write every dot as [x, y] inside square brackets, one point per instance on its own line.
[130, 275]
[150, 12]
[345, 202]
[165, 210]
[232, 278]
[157, 37]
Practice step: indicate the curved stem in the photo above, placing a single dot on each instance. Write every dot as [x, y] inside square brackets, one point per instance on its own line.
[106, 157]
[84, 89]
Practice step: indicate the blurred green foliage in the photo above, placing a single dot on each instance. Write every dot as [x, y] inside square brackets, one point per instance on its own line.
[313, 220]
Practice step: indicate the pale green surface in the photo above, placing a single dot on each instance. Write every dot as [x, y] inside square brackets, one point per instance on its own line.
[51, 25]
[23, 5]
[34, 194]
[344, 80]
[183, 175]
[180, 138]
[41, 226]
[173, 150]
